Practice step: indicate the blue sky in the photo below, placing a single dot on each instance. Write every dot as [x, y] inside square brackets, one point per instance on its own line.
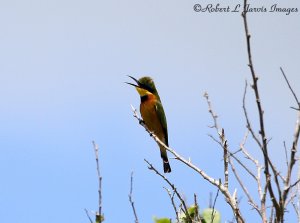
[63, 65]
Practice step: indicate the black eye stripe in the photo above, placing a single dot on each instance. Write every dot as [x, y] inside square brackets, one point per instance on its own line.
[146, 88]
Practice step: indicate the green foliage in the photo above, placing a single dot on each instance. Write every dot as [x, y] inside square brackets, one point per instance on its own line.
[161, 220]
[99, 218]
[210, 215]
[193, 213]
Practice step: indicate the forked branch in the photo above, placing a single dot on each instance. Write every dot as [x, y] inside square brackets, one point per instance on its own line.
[229, 198]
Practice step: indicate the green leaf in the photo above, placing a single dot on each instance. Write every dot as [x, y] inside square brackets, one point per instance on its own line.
[161, 220]
[211, 217]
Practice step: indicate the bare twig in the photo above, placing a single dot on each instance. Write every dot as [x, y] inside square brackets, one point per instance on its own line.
[293, 184]
[88, 215]
[262, 210]
[260, 145]
[279, 209]
[249, 127]
[214, 116]
[296, 195]
[293, 196]
[99, 214]
[185, 209]
[225, 156]
[243, 165]
[250, 199]
[197, 217]
[213, 213]
[290, 87]
[222, 142]
[171, 195]
[136, 220]
[292, 160]
[286, 156]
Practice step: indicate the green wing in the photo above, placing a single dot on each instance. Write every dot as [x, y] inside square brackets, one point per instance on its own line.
[163, 121]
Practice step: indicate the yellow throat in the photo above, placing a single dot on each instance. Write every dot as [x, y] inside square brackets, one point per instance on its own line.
[142, 92]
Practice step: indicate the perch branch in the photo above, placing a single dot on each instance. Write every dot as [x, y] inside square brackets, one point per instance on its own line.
[230, 200]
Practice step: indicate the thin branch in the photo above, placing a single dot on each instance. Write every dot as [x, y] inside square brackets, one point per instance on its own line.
[243, 165]
[249, 127]
[246, 153]
[261, 194]
[136, 220]
[286, 156]
[215, 139]
[185, 209]
[222, 142]
[197, 217]
[88, 215]
[213, 213]
[292, 197]
[214, 116]
[249, 157]
[294, 148]
[296, 195]
[96, 150]
[241, 183]
[290, 87]
[279, 210]
[173, 202]
[225, 156]
[292, 185]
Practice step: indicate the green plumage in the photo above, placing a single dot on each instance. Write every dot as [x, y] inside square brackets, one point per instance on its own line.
[153, 114]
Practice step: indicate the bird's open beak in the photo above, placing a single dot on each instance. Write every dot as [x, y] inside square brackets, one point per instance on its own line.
[141, 89]
[137, 85]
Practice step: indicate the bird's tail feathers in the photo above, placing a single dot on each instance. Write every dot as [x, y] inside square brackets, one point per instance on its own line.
[167, 167]
[164, 156]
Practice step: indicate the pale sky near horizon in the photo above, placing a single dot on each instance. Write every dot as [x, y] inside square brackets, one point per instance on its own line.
[63, 65]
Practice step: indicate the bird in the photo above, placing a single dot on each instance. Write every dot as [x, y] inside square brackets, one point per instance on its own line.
[153, 114]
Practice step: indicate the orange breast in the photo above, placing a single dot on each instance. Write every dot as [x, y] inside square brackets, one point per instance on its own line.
[150, 117]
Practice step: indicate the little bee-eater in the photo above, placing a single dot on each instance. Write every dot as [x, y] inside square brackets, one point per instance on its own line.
[153, 114]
